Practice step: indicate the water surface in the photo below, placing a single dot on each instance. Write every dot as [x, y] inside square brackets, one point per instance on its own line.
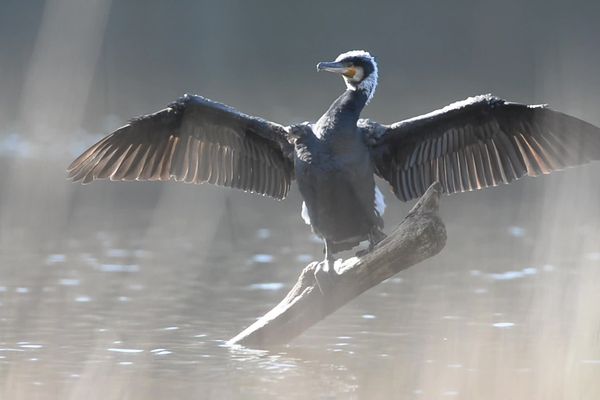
[136, 295]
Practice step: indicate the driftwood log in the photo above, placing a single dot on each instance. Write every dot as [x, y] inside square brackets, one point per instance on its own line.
[420, 235]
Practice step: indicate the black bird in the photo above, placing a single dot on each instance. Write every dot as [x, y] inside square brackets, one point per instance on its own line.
[472, 144]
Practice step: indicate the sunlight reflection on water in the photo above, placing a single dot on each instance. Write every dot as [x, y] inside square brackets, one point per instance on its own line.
[503, 325]
[116, 350]
[263, 258]
[272, 286]
[69, 282]
[119, 268]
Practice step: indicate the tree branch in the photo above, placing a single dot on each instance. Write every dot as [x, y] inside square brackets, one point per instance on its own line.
[421, 235]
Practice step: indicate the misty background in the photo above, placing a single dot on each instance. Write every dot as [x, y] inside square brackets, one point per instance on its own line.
[127, 290]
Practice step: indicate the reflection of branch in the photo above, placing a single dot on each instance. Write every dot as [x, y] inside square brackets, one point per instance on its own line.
[421, 235]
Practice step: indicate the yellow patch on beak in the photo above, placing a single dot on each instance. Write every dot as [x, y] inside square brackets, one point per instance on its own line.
[349, 72]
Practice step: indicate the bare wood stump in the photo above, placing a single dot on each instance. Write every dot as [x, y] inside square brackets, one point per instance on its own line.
[421, 235]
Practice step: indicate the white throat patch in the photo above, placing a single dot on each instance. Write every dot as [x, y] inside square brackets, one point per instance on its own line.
[370, 83]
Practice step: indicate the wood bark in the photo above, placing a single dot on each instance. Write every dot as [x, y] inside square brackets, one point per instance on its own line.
[419, 236]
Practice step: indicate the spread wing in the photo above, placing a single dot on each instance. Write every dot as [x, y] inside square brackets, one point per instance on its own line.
[194, 140]
[479, 142]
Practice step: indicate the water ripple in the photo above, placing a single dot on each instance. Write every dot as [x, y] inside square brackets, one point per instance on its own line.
[268, 286]
[516, 231]
[503, 325]
[122, 350]
[510, 275]
[30, 346]
[55, 259]
[118, 253]
[263, 233]
[262, 258]
[119, 267]
[69, 282]
[170, 328]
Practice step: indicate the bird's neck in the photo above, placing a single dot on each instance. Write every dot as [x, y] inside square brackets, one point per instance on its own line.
[343, 114]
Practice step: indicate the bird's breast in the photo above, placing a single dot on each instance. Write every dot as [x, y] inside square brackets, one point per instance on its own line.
[322, 155]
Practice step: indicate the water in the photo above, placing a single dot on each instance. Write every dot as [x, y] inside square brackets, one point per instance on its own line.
[137, 295]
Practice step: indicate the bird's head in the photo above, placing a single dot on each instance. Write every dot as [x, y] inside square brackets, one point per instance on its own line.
[358, 68]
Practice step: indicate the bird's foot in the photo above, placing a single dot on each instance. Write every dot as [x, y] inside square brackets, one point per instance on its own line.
[325, 275]
[374, 239]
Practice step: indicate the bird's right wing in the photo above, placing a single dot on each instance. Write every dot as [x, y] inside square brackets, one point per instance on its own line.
[479, 142]
[194, 140]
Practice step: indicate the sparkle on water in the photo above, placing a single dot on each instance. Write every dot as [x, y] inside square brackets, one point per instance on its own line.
[69, 282]
[171, 328]
[30, 346]
[55, 259]
[503, 325]
[119, 268]
[263, 258]
[118, 253]
[263, 233]
[272, 286]
[516, 231]
[120, 350]
[510, 275]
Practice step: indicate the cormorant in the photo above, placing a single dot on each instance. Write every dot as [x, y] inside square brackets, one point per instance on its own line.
[471, 144]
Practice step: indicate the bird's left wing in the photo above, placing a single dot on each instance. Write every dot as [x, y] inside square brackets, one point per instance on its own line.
[479, 142]
[194, 140]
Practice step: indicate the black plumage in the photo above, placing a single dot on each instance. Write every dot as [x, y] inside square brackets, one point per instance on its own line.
[480, 142]
[476, 143]
[194, 140]
[334, 171]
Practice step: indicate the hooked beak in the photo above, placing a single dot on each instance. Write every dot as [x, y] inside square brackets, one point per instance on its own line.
[333, 67]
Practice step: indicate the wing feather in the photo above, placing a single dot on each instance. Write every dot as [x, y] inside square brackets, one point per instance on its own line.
[194, 140]
[480, 142]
